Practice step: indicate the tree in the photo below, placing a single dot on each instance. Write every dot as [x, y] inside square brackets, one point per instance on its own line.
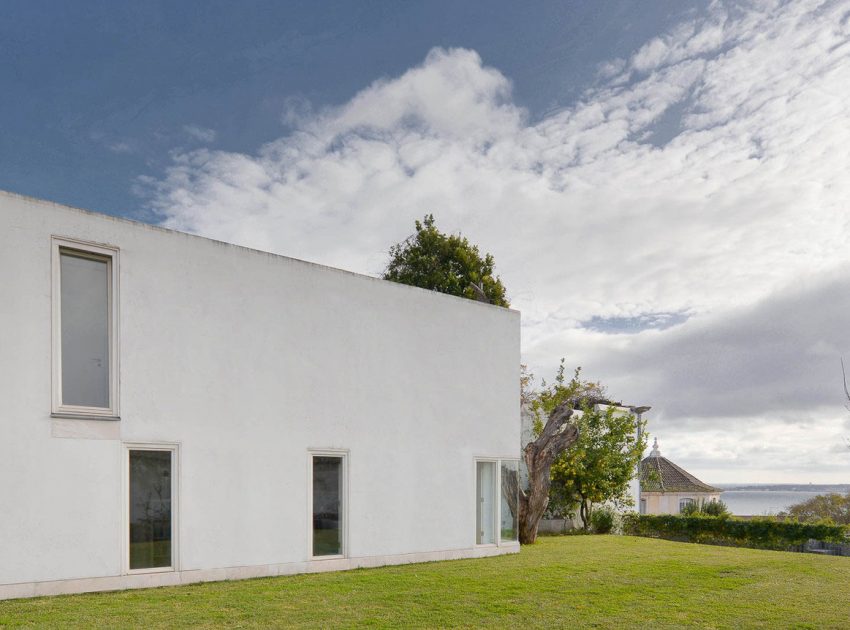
[600, 465]
[558, 403]
[446, 263]
[834, 506]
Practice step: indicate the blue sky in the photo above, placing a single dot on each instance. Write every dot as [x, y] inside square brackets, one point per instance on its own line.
[99, 93]
[663, 184]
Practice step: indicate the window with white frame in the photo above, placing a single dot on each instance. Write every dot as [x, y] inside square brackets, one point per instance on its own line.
[328, 504]
[85, 353]
[509, 508]
[684, 503]
[497, 500]
[151, 507]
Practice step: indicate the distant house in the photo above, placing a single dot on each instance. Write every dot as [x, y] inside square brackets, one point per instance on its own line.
[666, 488]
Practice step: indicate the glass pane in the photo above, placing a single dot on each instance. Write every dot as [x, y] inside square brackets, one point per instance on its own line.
[150, 509]
[510, 500]
[85, 331]
[486, 517]
[327, 506]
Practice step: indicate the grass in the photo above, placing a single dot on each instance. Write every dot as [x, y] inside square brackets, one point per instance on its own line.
[570, 581]
[147, 554]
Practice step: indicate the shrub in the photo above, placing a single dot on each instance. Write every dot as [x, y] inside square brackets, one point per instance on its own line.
[756, 533]
[833, 506]
[602, 520]
[689, 509]
[715, 508]
[708, 508]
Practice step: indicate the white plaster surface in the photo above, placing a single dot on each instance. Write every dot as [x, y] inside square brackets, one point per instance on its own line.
[246, 360]
[668, 502]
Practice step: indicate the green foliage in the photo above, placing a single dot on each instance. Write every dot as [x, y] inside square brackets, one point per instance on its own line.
[550, 395]
[600, 465]
[447, 263]
[714, 508]
[602, 520]
[835, 507]
[757, 533]
[707, 508]
[690, 509]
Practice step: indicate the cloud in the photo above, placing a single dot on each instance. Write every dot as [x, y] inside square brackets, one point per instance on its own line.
[200, 134]
[120, 147]
[700, 177]
[779, 357]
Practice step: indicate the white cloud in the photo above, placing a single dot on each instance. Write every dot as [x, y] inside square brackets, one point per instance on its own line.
[200, 134]
[702, 177]
[120, 147]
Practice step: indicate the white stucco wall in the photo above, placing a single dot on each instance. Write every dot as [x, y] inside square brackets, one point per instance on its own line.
[246, 360]
[668, 502]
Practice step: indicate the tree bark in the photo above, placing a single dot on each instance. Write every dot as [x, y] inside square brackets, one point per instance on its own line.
[584, 512]
[558, 435]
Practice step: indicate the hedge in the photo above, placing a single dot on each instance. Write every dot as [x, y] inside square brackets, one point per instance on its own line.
[757, 533]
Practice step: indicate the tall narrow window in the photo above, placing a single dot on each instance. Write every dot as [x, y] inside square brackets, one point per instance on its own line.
[151, 482]
[328, 496]
[85, 380]
[510, 498]
[486, 495]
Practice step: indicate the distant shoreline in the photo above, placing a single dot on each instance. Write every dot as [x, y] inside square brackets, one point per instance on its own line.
[761, 499]
[819, 488]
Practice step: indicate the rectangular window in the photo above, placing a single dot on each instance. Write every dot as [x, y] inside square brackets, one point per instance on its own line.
[643, 506]
[486, 494]
[496, 501]
[84, 313]
[328, 505]
[151, 494]
[510, 499]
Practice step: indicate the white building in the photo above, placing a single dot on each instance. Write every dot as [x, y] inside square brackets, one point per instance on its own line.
[666, 488]
[177, 409]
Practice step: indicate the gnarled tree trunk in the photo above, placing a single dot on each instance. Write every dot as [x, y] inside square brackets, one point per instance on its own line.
[558, 435]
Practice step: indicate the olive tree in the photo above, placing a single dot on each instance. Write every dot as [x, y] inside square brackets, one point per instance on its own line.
[555, 431]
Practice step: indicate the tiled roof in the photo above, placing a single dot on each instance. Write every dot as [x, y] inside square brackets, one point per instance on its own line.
[659, 474]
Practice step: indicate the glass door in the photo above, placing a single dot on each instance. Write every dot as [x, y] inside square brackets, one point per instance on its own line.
[327, 505]
[150, 534]
[486, 514]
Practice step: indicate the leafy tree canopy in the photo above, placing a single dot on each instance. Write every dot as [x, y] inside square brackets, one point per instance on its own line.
[447, 263]
[834, 507]
[598, 467]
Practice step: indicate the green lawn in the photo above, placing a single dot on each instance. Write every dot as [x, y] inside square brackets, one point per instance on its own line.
[574, 581]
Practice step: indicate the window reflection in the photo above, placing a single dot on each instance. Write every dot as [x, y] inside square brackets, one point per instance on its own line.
[84, 301]
[486, 492]
[327, 506]
[150, 509]
[510, 496]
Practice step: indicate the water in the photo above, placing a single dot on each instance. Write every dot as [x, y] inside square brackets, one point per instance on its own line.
[755, 500]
